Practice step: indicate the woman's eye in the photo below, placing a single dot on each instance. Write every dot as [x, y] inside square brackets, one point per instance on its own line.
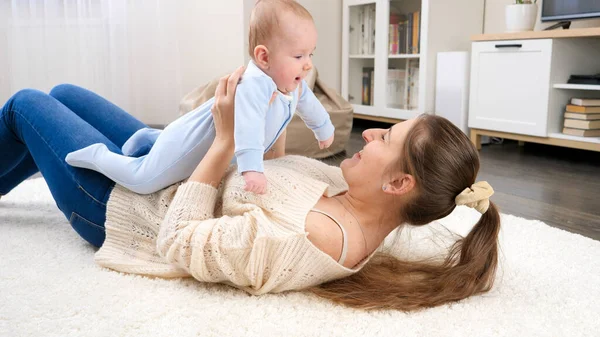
[298, 57]
[311, 55]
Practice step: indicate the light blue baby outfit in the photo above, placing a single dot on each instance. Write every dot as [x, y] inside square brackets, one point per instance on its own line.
[178, 149]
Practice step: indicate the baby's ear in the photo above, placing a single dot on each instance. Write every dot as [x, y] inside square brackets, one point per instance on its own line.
[261, 56]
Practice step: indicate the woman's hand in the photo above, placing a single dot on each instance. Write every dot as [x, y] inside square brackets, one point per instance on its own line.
[212, 167]
[223, 108]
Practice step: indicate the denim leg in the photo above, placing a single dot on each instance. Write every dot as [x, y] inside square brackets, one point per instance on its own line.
[96, 111]
[34, 123]
[23, 170]
[113, 122]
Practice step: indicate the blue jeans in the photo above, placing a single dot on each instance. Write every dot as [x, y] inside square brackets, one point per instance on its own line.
[36, 133]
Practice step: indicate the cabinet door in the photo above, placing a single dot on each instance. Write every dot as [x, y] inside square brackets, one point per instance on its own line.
[510, 84]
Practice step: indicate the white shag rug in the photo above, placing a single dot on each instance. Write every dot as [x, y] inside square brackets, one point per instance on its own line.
[548, 285]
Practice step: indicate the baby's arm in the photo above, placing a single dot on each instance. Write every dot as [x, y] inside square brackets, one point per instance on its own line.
[315, 116]
[251, 105]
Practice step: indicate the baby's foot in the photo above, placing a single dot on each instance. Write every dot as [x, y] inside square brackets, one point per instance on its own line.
[86, 157]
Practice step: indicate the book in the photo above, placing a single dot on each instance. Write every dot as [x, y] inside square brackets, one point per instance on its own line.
[583, 109]
[372, 88]
[366, 35]
[394, 39]
[585, 117]
[372, 31]
[581, 133]
[415, 37]
[402, 37]
[409, 34]
[585, 102]
[413, 85]
[579, 124]
[360, 34]
[367, 86]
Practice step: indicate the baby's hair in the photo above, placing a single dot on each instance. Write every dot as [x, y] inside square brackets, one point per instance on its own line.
[264, 20]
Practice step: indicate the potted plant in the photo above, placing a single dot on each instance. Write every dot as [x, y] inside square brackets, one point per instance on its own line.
[521, 16]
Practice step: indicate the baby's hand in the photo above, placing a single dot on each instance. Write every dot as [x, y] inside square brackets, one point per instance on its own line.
[256, 182]
[323, 144]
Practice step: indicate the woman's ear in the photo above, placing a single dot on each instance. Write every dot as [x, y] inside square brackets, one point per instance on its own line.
[403, 184]
[261, 56]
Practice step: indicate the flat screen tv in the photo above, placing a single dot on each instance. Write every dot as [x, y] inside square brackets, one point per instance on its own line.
[556, 10]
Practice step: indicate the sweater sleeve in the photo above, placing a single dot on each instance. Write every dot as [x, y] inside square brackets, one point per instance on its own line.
[251, 105]
[313, 114]
[223, 249]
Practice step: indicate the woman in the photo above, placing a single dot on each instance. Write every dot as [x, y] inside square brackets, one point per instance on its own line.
[318, 227]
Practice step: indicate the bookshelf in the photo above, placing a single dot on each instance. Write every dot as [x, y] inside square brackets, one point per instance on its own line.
[390, 47]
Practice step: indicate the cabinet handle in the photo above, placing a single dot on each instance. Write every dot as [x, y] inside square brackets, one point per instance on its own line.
[509, 45]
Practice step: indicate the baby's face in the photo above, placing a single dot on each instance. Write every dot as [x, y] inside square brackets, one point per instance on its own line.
[290, 59]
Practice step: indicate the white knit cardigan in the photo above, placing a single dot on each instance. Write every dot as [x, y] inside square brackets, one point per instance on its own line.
[253, 242]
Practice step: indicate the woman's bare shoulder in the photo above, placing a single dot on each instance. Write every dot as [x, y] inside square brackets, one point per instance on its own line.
[324, 234]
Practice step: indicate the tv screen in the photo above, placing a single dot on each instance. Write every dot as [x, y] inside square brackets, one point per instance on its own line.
[553, 10]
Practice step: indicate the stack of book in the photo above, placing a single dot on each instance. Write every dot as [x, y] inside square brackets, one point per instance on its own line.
[402, 91]
[368, 84]
[396, 88]
[405, 33]
[582, 118]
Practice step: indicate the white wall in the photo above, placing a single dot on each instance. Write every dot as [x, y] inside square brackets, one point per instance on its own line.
[494, 17]
[328, 19]
[446, 34]
[142, 55]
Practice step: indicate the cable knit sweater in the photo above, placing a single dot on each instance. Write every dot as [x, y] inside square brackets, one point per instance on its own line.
[253, 242]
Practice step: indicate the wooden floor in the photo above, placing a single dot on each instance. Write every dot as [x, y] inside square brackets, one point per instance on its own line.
[559, 186]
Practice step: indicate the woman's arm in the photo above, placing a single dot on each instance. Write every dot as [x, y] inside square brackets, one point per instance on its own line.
[211, 169]
[190, 220]
[190, 237]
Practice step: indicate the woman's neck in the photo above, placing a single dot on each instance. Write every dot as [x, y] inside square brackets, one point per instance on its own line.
[375, 220]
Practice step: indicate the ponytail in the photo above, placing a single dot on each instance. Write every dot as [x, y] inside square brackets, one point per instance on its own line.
[389, 283]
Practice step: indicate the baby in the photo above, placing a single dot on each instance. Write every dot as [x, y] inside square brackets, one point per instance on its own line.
[282, 39]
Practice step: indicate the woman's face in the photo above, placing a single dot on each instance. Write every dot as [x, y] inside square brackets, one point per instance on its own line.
[383, 146]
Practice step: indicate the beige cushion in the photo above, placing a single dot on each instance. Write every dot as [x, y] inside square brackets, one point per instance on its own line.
[300, 139]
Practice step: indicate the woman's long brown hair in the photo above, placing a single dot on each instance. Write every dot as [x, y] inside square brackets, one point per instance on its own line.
[443, 162]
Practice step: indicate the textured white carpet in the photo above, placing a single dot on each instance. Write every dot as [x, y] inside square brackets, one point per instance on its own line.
[50, 286]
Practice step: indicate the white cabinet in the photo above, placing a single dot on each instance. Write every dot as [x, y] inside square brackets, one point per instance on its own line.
[510, 86]
[519, 84]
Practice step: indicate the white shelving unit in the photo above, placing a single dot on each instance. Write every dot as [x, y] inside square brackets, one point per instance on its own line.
[405, 56]
[362, 56]
[577, 86]
[439, 31]
[517, 84]
[558, 135]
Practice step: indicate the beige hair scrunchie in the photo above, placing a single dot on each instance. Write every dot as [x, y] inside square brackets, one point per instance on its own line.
[477, 196]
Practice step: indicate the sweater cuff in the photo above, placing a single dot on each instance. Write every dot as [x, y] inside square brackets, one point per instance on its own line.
[194, 201]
